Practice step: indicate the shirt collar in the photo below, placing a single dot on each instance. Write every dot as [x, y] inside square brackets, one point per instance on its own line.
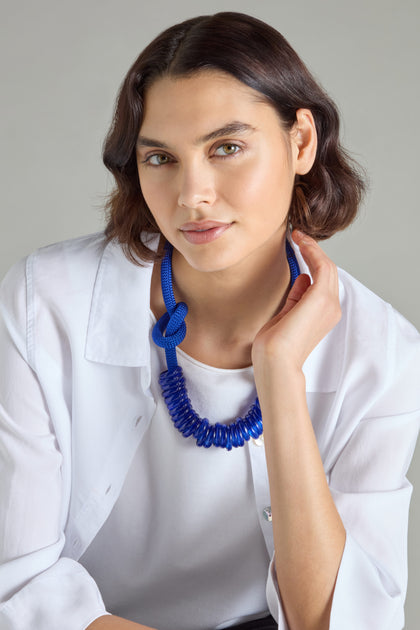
[119, 322]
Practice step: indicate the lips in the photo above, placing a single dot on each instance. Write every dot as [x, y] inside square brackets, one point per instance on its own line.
[200, 232]
[201, 226]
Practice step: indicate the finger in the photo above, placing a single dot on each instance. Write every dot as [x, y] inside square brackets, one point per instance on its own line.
[320, 265]
[302, 283]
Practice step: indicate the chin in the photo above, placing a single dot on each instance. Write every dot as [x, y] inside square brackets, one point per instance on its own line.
[214, 261]
[204, 258]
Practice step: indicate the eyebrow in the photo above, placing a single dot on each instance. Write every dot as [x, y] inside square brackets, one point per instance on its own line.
[234, 127]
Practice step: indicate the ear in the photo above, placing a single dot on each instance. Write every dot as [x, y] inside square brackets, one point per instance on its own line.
[304, 141]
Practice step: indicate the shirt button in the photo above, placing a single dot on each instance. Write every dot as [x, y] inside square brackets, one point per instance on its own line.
[267, 514]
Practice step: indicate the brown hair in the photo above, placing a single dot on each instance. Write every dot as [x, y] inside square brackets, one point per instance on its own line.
[324, 200]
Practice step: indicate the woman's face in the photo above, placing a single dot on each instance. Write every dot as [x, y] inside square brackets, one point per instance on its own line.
[216, 168]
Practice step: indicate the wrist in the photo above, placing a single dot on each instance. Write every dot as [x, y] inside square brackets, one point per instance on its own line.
[278, 356]
[280, 366]
[279, 377]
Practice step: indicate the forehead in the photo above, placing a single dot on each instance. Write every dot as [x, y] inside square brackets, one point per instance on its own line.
[199, 103]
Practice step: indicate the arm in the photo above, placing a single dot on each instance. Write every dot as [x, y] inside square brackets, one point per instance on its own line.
[309, 536]
[38, 587]
[376, 426]
[111, 622]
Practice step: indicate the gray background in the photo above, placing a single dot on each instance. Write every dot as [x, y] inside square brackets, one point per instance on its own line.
[61, 66]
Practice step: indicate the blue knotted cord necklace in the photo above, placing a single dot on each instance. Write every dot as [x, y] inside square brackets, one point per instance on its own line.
[168, 333]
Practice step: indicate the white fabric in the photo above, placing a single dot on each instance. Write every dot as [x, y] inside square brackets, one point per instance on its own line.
[177, 565]
[75, 403]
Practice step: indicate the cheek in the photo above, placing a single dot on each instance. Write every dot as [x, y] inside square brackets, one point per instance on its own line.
[155, 192]
[262, 181]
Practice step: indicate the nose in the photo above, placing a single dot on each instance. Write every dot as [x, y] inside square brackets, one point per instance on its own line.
[196, 186]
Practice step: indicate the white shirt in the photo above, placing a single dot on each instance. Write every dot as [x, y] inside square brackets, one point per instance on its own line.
[177, 566]
[76, 401]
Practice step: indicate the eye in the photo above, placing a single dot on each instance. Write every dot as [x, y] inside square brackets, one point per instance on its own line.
[229, 148]
[157, 159]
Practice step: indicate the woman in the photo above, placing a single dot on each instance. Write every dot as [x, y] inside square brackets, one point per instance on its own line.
[122, 505]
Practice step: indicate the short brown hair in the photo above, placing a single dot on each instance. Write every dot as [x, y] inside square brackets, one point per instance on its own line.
[324, 200]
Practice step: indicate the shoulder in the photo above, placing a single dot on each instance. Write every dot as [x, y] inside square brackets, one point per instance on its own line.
[381, 348]
[68, 263]
[369, 318]
[85, 291]
[67, 268]
[50, 284]
[61, 277]
[57, 260]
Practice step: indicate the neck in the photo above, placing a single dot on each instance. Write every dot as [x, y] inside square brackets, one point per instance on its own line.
[227, 308]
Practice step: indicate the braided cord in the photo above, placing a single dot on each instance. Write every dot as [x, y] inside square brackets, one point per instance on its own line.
[293, 263]
[168, 332]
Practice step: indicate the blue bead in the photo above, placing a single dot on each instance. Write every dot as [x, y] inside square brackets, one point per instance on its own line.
[177, 390]
[252, 430]
[173, 380]
[217, 434]
[238, 434]
[178, 418]
[244, 431]
[202, 429]
[168, 389]
[233, 435]
[228, 439]
[178, 405]
[210, 437]
[189, 430]
[203, 436]
[252, 414]
[223, 436]
[183, 412]
[198, 428]
[173, 375]
[182, 423]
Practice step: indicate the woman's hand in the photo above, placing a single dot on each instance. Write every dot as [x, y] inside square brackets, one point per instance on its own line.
[310, 312]
[309, 536]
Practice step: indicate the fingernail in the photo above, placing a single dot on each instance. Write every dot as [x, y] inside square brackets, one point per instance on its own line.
[300, 235]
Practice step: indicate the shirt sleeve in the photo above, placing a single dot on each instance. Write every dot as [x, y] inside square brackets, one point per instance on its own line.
[38, 588]
[372, 494]
[373, 503]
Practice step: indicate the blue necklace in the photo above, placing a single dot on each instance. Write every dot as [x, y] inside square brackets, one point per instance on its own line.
[168, 333]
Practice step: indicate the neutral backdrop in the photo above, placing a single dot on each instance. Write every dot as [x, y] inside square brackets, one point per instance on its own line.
[62, 63]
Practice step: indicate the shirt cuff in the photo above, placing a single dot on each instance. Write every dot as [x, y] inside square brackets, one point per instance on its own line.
[64, 596]
[273, 598]
[365, 597]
